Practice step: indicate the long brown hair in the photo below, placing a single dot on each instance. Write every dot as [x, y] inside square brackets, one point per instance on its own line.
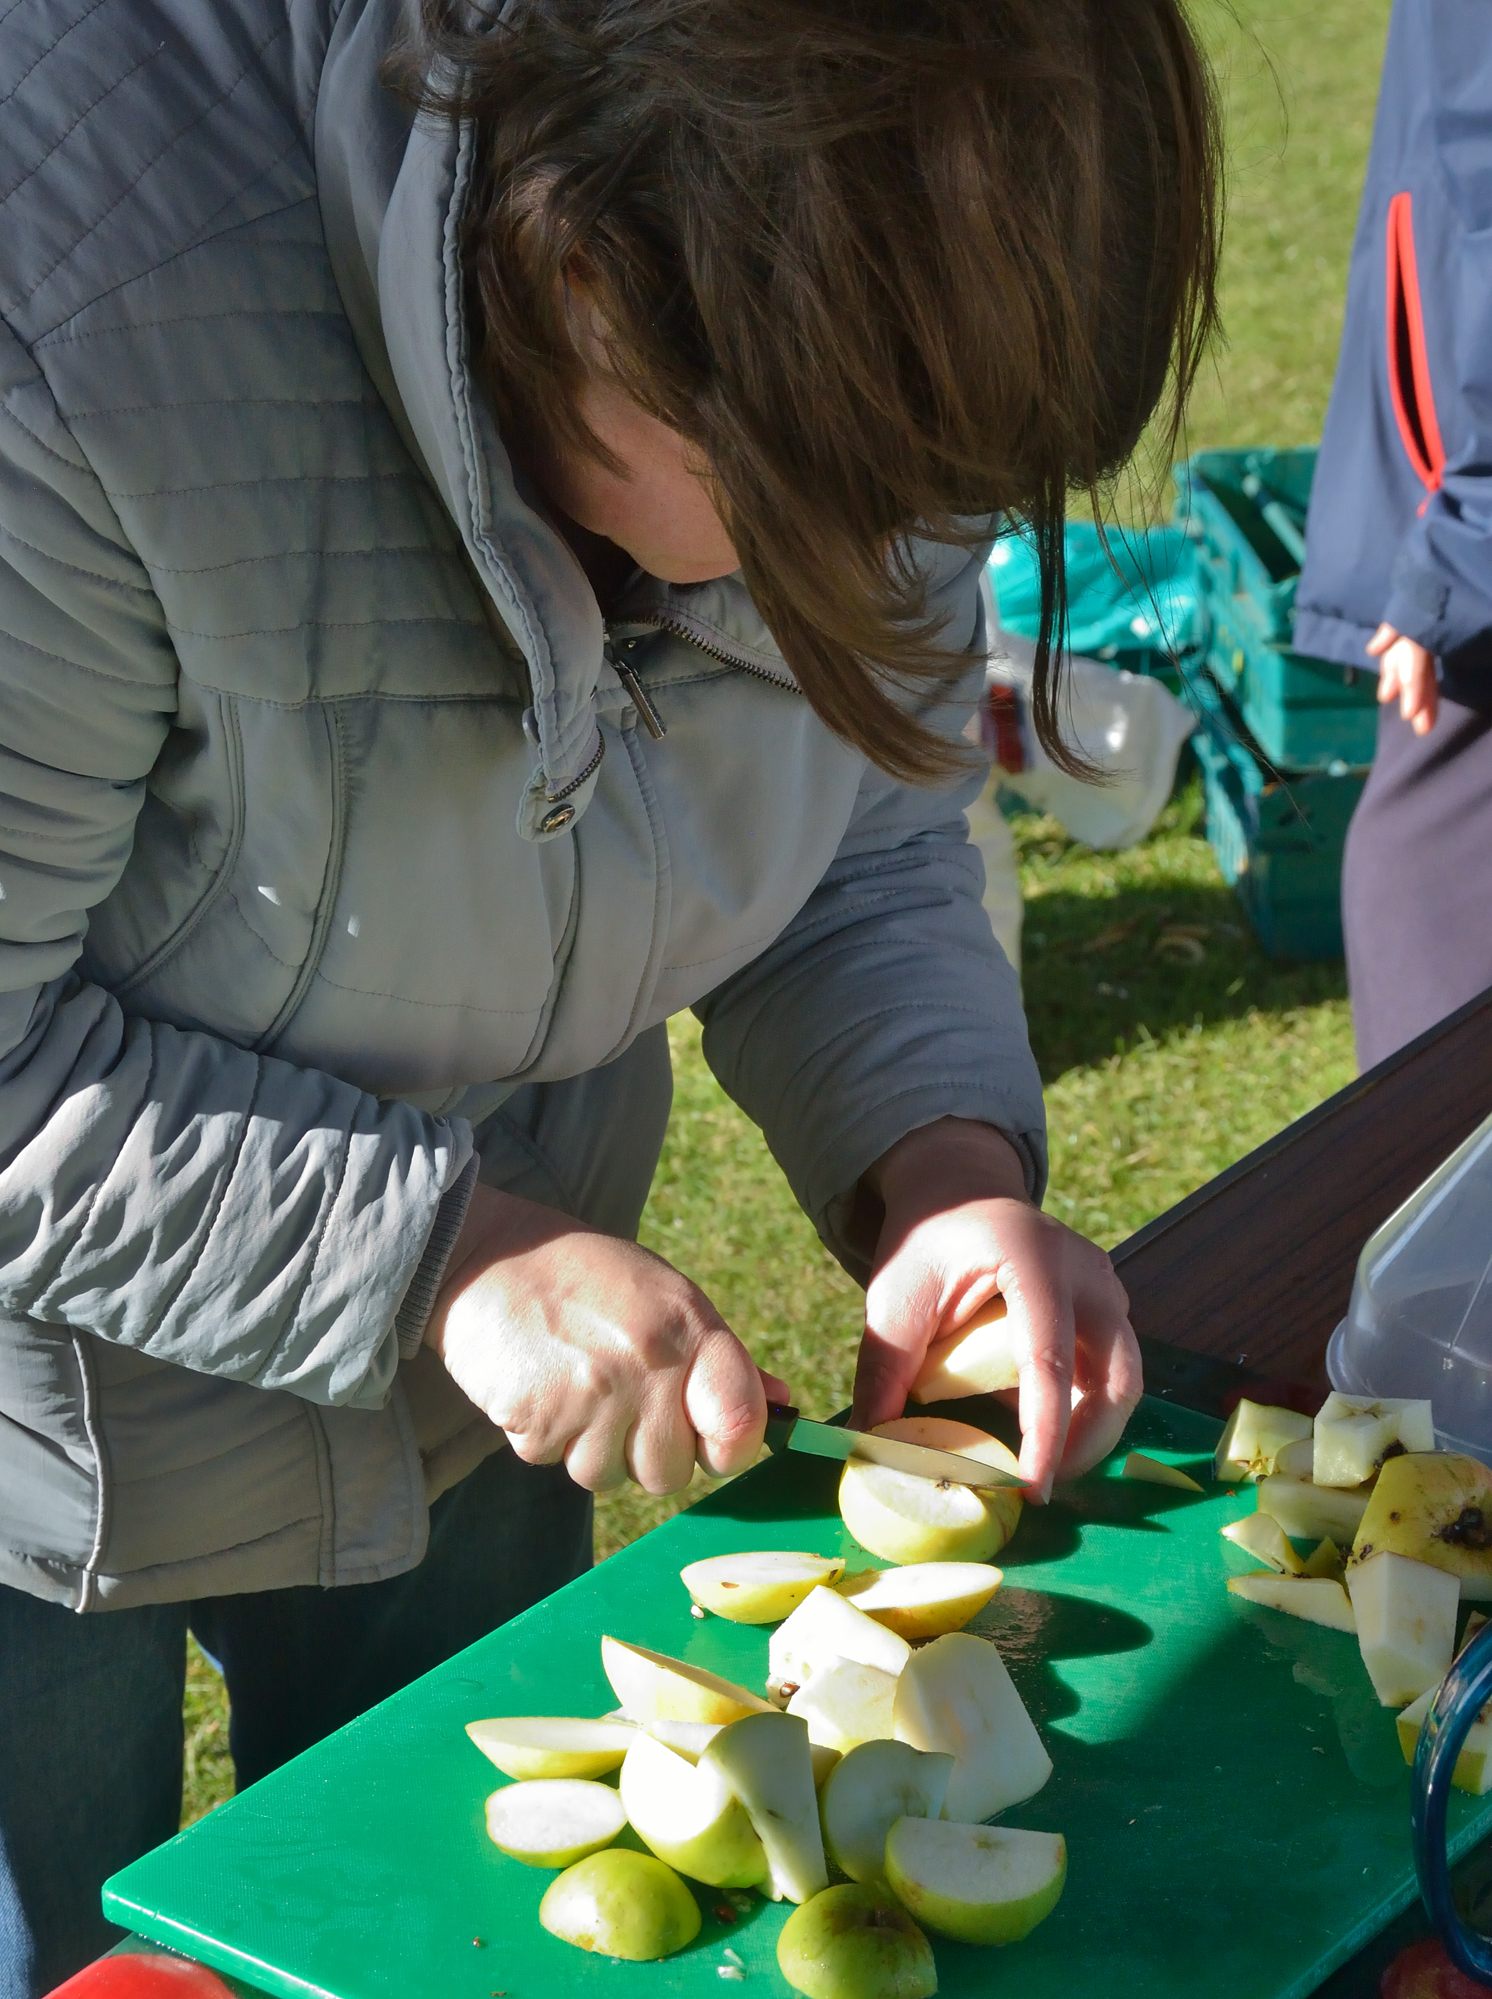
[893, 267]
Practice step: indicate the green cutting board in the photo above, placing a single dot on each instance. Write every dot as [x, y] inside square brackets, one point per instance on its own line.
[1234, 1799]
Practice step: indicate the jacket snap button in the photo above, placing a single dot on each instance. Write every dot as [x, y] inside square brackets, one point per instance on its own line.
[560, 816]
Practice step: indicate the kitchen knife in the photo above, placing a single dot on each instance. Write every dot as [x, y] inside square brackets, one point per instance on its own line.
[788, 1431]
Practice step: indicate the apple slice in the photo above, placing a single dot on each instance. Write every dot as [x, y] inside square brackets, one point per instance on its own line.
[690, 1817]
[684, 1738]
[1309, 1512]
[923, 1599]
[853, 1942]
[1406, 1624]
[652, 1687]
[978, 1883]
[1262, 1537]
[621, 1904]
[872, 1788]
[956, 1697]
[1318, 1599]
[765, 1761]
[1435, 1506]
[1355, 1434]
[547, 1745]
[1297, 1459]
[902, 1518]
[1150, 1471]
[1473, 1771]
[757, 1589]
[978, 1359]
[846, 1705]
[824, 1630]
[1255, 1433]
[552, 1821]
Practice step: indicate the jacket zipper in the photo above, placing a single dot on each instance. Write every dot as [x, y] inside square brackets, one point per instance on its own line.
[678, 628]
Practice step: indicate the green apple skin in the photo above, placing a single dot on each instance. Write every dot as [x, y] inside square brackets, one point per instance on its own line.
[967, 1918]
[621, 1904]
[853, 1942]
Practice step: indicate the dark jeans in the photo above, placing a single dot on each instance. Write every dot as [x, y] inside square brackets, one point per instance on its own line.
[90, 1707]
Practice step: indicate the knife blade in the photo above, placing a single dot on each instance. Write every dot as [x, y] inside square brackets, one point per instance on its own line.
[788, 1431]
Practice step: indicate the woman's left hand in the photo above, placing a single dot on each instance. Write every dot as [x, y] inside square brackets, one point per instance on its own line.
[959, 1228]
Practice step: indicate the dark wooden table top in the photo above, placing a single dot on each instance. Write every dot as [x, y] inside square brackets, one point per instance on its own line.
[1238, 1288]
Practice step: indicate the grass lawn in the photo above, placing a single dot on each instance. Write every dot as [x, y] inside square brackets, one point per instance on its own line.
[1169, 1043]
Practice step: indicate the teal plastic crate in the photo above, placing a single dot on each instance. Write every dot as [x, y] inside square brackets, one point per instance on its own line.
[1245, 512]
[1278, 840]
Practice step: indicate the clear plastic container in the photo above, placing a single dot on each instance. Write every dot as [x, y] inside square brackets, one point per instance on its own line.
[1420, 1320]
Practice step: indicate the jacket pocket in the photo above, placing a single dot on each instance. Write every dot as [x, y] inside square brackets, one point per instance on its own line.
[1411, 392]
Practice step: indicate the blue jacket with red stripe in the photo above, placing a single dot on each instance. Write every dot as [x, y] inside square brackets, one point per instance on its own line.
[1400, 527]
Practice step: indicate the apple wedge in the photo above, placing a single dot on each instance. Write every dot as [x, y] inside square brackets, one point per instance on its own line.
[846, 1705]
[978, 1359]
[853, 1942]
[1254, 1435]
[552, 1821]
[1309, 1512]
[547, 1745]
[923, 1599]
[955, 1697]
[621, 1904]
[1150, 1471]
[902, 1518]
[652, 1687]
[1318, 1599]
[1354, 1435]
[690, 1817]
[1406, 1624]
[765, 1761]
[982, 1884]
[684, 1738]
[1263, 1538]
[823, 1631]
[1435, 1507]
[757, 1589]
[1297, 1459]
[1473, 1771]
[870, 1789]
[1326, 1559]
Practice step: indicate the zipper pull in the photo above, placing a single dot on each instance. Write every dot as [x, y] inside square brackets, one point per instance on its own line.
[652, 721]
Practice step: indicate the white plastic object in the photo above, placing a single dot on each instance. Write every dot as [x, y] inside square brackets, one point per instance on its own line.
[1420, 1319]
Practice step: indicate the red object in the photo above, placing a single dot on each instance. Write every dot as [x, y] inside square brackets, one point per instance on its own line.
[143, 1975]
[1423, 1971]
[1410, 389]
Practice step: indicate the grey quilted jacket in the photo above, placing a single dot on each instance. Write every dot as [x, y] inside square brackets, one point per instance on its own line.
[335, 864]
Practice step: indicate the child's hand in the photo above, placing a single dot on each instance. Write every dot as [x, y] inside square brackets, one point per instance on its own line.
[1406, 674]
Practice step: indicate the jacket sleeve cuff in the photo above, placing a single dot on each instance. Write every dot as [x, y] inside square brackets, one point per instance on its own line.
[419, 1300]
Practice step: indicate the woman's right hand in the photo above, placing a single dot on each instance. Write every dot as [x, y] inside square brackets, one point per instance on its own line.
[585, 1348]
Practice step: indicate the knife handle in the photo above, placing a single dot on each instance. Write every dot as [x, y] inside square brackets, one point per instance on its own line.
[781, 1416]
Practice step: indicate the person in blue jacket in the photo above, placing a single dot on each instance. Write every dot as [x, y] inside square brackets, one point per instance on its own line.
[1398, 568]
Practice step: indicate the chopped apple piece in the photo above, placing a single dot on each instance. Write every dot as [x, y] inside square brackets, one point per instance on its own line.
[1297, 1458]
[548, 1745]
[1474, 1623]
[903, 1518]
[1406, 1624]
[652, 1687]
[1263, 1538]
[757, 1589]
[690, 1817]
[1317, 1599]
[923, 1599]
[846, 1705]
[621, 1904]
[1255, 1433]
[684, 1738]
[1355, 1435]
[956, 1697]
[1435, 1507]
[823, 1758]
[765, 1761]
[1311, 1512]
[553, 1821]
[824, 1630]
[1473, 1771]
[1150, 1471]
[979, 1883]
[1326, 1559]
[979, 1359]
[874, 1786]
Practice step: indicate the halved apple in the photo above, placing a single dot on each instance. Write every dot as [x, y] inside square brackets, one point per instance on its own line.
[1406, 1624]
[923, 1599]
[652, 1687]
[1355, 1434]
[759, 1588]
[552, 1821]
[902, 1518]
[765, 1761]
[621, 1904]
[690, 1817]
[979, 1883]
[1150, 1471]
[824, 1630]
[1254, 1435]
[980, 1358]
[1318, 1599]
[846, 1705]
[853, 1942]
[548, 1745]
[872, 1787]
[956, 1697]
[1263, 1538]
